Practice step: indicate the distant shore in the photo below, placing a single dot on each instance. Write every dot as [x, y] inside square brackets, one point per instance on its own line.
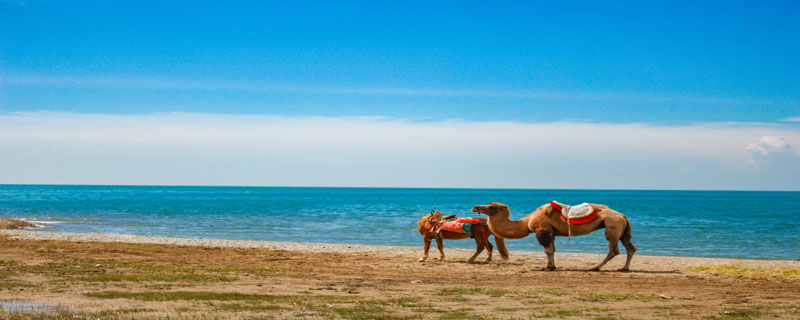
[663, 261]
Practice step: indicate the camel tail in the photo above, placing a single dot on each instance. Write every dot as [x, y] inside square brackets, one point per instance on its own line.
[626, 235]
[501, 246]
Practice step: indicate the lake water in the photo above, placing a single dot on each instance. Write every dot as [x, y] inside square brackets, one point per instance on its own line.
[731, 224]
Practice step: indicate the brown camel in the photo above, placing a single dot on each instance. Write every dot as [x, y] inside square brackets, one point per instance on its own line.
[479, 231]
[547, 223]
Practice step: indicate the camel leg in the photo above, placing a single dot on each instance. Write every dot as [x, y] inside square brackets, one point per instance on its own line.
[547, 240]
[550, 251]
[488, 246]
[483, 234]
[426, 248]
[440, 245]
[630, 249]
[479, 244]
[501, 247]
[613, 246]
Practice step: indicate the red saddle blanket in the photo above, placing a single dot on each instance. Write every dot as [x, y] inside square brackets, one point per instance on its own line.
[459, 225]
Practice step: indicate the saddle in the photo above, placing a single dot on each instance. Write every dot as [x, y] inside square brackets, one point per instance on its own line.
[581, 213]
[452, 223]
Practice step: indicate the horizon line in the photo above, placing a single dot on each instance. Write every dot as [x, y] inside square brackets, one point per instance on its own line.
[368, 187]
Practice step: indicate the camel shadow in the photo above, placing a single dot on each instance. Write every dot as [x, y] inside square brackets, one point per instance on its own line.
[467, 262]
[615, 271]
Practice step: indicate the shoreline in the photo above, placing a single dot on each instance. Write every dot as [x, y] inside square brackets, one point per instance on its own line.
[651, 260]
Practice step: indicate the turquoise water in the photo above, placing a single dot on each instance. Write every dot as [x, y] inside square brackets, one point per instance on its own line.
[733, 224]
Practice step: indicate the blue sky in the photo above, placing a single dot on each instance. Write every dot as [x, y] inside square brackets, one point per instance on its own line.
[717, 69]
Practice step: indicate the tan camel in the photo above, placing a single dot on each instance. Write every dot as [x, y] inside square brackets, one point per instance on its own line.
[480, 232]
[547, 223]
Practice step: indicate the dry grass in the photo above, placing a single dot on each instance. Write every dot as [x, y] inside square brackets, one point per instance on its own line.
[750, 272]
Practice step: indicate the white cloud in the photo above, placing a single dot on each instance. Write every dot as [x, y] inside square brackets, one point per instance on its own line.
[766, 150]
[265, 87]
[791, 119]
[215, 149]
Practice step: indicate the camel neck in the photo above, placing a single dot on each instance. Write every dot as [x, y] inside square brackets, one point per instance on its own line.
[505, 228]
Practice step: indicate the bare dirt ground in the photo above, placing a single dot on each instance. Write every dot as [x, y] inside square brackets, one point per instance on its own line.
[142, 281]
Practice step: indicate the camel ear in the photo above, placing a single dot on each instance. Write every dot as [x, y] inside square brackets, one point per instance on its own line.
[417, 229]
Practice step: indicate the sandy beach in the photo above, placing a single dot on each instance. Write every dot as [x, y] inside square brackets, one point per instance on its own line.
[125, 276]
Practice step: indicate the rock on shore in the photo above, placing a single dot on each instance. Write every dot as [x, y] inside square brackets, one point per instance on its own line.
[9, 224]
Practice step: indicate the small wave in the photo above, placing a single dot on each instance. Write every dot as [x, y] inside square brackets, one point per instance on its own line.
[41, 224]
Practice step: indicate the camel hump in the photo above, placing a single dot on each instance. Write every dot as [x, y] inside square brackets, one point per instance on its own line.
[577, 214]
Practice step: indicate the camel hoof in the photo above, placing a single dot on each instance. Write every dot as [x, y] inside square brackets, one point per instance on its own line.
[421, 260]
[549, 269]
[623, 270]
[594, 269]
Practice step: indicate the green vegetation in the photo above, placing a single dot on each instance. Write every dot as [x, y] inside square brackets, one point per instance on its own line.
[364, 311]
[501, 309]
[736, 315]
[557, 313]
[43, 316]
[14, 285]
[618, 297]
[480, 290]
[238, 307]
[497, 292]
[153, 277]
[8, 263]
[117, 312]
[254, 271]
[212, 296]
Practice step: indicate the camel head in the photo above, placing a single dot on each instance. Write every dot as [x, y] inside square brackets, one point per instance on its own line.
[421, 223]
[491, 209]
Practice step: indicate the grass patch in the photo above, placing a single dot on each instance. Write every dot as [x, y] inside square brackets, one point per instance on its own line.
[238, 307]
[736, 315]
[213, 296]
[162, 286]
[184, 295]
[255, 271]
[365, 312]
[478, 290]
[60, 315]
[455, 315]
[557, 313]
[541, 301]
[81, 266]
[591, 297]
[13, 285]
[117, 312]
[777, 309]
[749, 272]
[153, 277]
[8, 263]
[506, 309]
[552, 292]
